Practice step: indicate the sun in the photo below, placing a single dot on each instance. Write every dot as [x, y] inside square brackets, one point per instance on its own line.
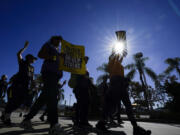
[118, 46]
[110, 44]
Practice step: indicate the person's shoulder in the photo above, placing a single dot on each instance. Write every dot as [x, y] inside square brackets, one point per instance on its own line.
[21, 61]
[46, 45]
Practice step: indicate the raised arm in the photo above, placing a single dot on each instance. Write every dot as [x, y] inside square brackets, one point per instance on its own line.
[63, 84]
[121, 59]
[19, 54]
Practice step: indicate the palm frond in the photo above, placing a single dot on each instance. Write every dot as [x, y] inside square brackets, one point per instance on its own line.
[169, 70]
[131, 74]
[144, 59]
[151, 73]
[177, 59]
[100, 78]
[103, 67]
[130, 66]
[172, 62]
[161, 76]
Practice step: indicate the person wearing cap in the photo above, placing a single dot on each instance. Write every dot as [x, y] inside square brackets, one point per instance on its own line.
[3, 86]
[21, 85]
[51, 75]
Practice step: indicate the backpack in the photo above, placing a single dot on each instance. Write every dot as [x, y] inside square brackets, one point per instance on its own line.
[73, 81]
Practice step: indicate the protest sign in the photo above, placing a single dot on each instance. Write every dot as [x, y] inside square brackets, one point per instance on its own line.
[73, 61]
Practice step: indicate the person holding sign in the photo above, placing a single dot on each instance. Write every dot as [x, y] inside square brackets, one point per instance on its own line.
[73, 61]
[51, 76]
[59, 96]
[118, 91]
[82, 94]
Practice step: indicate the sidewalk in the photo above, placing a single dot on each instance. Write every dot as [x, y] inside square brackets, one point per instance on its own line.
[41, 128]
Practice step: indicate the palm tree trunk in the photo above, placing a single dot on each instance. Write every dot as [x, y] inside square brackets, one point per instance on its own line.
[178, 70]
[144, 77]
[145, 82]
[144, 88]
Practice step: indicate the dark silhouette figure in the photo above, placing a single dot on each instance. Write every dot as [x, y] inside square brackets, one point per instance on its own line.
[118, 113]
[28, 101]
[3, 86]
[51, 76]
[117, 92]
[10, 88]
[82, 95]
[102, 90]
[115, 112]
[20, 85]
[58, 97]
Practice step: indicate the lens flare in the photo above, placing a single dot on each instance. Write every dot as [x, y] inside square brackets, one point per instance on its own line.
[118, 47]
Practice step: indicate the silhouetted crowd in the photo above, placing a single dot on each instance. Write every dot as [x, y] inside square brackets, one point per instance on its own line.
[21, 91]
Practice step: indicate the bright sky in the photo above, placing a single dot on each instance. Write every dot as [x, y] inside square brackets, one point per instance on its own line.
[153, 27]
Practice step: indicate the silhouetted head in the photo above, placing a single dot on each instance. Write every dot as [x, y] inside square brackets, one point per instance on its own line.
[30, 58]
[55, 40]
[4, 77]
[86, 58]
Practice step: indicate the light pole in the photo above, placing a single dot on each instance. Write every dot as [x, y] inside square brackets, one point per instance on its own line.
[70, 100]
[65, 103]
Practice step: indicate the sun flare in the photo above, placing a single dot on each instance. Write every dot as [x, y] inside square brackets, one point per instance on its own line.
[119, 47]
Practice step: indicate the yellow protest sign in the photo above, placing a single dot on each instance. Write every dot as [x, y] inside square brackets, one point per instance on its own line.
[73, 61]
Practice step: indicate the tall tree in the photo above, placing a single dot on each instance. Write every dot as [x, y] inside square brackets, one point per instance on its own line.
[135, 91]
[173, 64]
[172, 88]
[160, 89]
[102, 68]
[139, 65]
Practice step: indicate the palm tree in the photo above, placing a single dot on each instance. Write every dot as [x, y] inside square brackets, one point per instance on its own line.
[104, 69]
[135, 90]
[174, 64]
[139, 65]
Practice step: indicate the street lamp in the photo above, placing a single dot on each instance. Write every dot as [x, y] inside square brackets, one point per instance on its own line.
[70, 100]
[65, 103]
